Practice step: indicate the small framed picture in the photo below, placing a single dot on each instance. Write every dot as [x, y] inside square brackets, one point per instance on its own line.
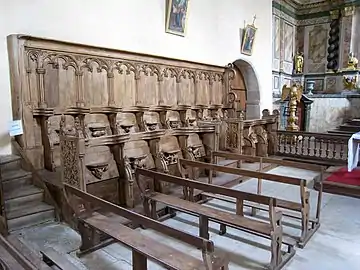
[248, 39]
[176, 17]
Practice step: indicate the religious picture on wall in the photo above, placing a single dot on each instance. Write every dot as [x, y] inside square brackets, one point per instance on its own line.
[248, 39]
[177, 13]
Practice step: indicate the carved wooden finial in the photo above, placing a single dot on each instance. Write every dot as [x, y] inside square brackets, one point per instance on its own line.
[254, 18]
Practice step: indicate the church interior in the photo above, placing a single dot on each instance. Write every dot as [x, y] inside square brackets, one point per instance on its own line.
[179, 134]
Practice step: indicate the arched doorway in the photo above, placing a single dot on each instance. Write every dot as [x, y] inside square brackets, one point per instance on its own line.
[246, 84]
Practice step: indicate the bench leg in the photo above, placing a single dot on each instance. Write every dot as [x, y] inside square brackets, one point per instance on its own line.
[276, 242]
[89, 237]
[146, 205]
[215, 262]
[154, 214]
[204, 227]
[139, 261]
[305, 208]
[222, 229]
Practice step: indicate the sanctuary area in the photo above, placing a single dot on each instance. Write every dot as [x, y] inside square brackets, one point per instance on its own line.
[179, 134]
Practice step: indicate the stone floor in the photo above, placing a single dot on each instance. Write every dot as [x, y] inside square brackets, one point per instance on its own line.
[336, 245]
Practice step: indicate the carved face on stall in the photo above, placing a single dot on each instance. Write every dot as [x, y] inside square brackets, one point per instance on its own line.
[170, 157]
[191, 118]
[126, 123]
[169, 149]
[151, 121]
[173, 120]
[206, 114]
[195, 146]
[218, 114]
[200, 114]
[137, 155]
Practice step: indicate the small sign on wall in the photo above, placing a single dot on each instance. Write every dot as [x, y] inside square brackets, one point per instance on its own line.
[15, 128]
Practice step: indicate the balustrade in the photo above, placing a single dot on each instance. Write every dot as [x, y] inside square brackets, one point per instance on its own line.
[316, 146]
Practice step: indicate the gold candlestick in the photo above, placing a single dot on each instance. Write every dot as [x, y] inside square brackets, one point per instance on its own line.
[294, 93]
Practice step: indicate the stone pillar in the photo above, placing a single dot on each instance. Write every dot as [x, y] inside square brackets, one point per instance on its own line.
[347, 40]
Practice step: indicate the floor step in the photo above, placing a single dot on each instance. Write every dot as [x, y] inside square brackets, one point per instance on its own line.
[22, 191]
[341, 132]
[9, 159]
[33, 199]
[16, 178]
[27, 210]
[31, 220]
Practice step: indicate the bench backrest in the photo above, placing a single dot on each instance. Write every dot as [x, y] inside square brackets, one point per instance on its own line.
[241, 195]
[198, 242]
[280, 162]
[260, 175]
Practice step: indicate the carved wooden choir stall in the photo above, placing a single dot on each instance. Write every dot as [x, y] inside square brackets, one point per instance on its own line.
[119, 131]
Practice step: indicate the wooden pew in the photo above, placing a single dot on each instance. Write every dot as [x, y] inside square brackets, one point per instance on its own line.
[52, 257]
[142, 247]
[303, 207]
[271, 230]
[12, 258]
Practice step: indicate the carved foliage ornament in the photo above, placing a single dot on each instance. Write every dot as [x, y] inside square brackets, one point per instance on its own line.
[70, 162]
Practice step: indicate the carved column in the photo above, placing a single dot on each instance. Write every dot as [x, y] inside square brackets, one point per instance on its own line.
[211, 84]
[160, 81]
[80, 89]
[40, 72]
[110, 81]
[137, 78]
[333, 41]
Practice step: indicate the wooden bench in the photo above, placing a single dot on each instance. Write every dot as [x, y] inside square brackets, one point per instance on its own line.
[52, 257]
[142, 247]
[13, 257]
[271, 230]
[303, 207]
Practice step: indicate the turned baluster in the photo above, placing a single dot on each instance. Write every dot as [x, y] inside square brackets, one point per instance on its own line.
[327, 151]
[295, 141]
[334, 143]
[316, 149]
[303, 150]
[322, 150]
[279, 137]
[285, 144]
[342, 151]
[308, 148]
[298, 146]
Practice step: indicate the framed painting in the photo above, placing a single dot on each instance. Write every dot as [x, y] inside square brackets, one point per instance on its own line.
[176, 17]
[248, 39]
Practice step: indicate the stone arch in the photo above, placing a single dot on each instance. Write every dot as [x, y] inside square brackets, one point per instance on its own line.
[251, 88]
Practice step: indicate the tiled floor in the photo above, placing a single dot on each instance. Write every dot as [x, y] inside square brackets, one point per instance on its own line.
[336, 245]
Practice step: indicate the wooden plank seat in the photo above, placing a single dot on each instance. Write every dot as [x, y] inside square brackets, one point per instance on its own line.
[13, 258]
[52, 257]
[308, 226]
[143, 247]
[271, 230]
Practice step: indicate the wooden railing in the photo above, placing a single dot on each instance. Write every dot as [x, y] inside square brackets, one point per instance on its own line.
[37, 178]
[313, 146]
[252, 137]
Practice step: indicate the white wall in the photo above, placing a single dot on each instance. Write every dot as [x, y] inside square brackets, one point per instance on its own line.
[138, 25]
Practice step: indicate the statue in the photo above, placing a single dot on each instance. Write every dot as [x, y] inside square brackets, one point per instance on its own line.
[294, 93]
[299, 63]
[352, 62]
